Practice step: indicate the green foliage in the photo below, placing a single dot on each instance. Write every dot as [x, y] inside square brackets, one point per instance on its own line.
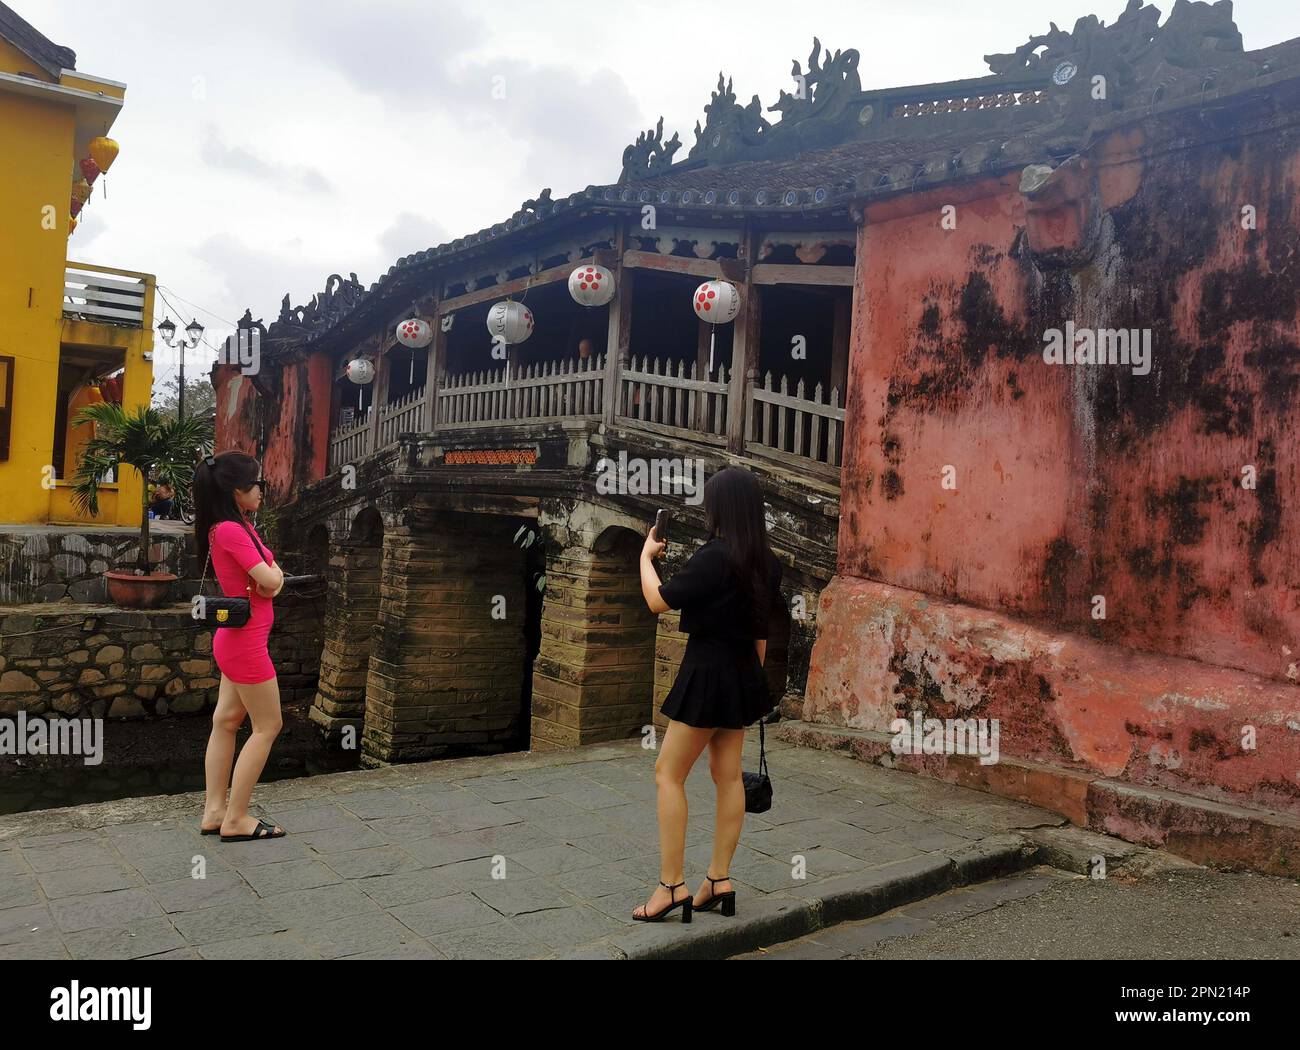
[160, 449]
[200, 398]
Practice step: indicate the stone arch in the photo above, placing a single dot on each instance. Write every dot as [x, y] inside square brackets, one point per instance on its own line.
[446, 669]
[352, 612]
[367, 527]
[316, 551]
[300, 617]
[594, 677]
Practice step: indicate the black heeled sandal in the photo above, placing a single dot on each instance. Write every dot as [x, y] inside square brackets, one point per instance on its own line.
[728, 899]
[685, 904]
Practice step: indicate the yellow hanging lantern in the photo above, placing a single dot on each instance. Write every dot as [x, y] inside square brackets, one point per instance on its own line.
[81, 191]
[72, 225]
[104, 151]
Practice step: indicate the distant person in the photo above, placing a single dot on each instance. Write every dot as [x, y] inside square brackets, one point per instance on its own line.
[164, 500]
[726, 593]
[227, 489]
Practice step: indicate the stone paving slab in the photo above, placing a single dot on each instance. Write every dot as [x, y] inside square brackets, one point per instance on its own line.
[533, 855]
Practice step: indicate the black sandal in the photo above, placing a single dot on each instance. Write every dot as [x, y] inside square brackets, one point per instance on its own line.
[264, 830]
[728, 899]
[684, 904]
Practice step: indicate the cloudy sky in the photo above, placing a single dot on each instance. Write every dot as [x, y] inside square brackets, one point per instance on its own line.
[269, 143]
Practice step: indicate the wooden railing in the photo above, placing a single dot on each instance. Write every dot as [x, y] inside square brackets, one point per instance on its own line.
[350, 445]
[403, 416]
[536, 392]
[653, 397]
[794, 427]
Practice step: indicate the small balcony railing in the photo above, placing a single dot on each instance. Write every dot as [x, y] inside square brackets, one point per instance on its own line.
[95, 293]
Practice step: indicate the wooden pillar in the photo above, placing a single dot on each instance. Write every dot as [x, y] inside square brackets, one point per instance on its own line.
[841, 323]
[380, 397]
[620, 330]
[433, 372]
[744, 345]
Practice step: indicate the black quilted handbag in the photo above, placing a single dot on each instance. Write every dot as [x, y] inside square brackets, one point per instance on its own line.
[218, 610]
[758, 786]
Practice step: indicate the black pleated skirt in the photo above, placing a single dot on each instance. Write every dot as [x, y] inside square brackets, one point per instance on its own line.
[720, 685]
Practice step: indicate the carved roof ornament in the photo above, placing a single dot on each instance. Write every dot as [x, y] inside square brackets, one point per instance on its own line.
[324, 309]
[1198, 37]
[649, 154]
[727, 124]
[825, 90]
[534, 206]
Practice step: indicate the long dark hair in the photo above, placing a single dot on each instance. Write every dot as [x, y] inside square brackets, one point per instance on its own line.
[215, 481]
[733, 511]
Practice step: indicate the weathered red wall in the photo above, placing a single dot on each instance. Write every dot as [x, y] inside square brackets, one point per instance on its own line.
[236, 427]
[295, 421]
[1075, 481]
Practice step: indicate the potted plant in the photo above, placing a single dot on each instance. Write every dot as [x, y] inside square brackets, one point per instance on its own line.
[159, 448]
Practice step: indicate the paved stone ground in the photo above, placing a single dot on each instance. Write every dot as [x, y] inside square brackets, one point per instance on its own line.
[399, 862]
[1050, 914]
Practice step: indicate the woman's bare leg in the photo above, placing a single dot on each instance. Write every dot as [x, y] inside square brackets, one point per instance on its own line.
[228, 716]
[681, 747]
[262, 701]
[724, 764]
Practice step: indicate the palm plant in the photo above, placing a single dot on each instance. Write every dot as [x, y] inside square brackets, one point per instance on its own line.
[159, 448]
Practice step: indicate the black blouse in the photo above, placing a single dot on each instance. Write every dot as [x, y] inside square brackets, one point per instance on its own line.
[706, 591]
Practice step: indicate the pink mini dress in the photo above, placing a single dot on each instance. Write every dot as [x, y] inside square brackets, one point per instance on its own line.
[241, 652]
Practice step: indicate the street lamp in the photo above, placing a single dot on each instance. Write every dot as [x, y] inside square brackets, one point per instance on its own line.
[193, 334]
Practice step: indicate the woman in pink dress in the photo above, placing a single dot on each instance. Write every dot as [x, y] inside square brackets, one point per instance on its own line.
[227, 489]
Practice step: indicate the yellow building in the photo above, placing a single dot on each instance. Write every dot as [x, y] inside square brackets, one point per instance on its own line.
[70, 333]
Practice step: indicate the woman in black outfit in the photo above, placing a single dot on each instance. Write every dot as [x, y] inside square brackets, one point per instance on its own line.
[726, 593]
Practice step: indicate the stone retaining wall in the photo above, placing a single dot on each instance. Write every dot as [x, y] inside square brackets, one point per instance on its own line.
[101, 661]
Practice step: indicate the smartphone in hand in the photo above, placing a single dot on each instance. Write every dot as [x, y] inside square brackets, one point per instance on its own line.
[661, 525]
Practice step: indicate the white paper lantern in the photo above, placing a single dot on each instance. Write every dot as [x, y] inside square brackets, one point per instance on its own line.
[717, 302]
[591, 285]
[361, 371]
[510, 322]
[415, 334]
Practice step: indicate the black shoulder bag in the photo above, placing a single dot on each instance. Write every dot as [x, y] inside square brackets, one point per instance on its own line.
[220, 611]
[758, 786]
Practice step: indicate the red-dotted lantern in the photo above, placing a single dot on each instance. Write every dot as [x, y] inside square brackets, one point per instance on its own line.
[591, 285]
[717, 302]
[510, 322]
[415, 334]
